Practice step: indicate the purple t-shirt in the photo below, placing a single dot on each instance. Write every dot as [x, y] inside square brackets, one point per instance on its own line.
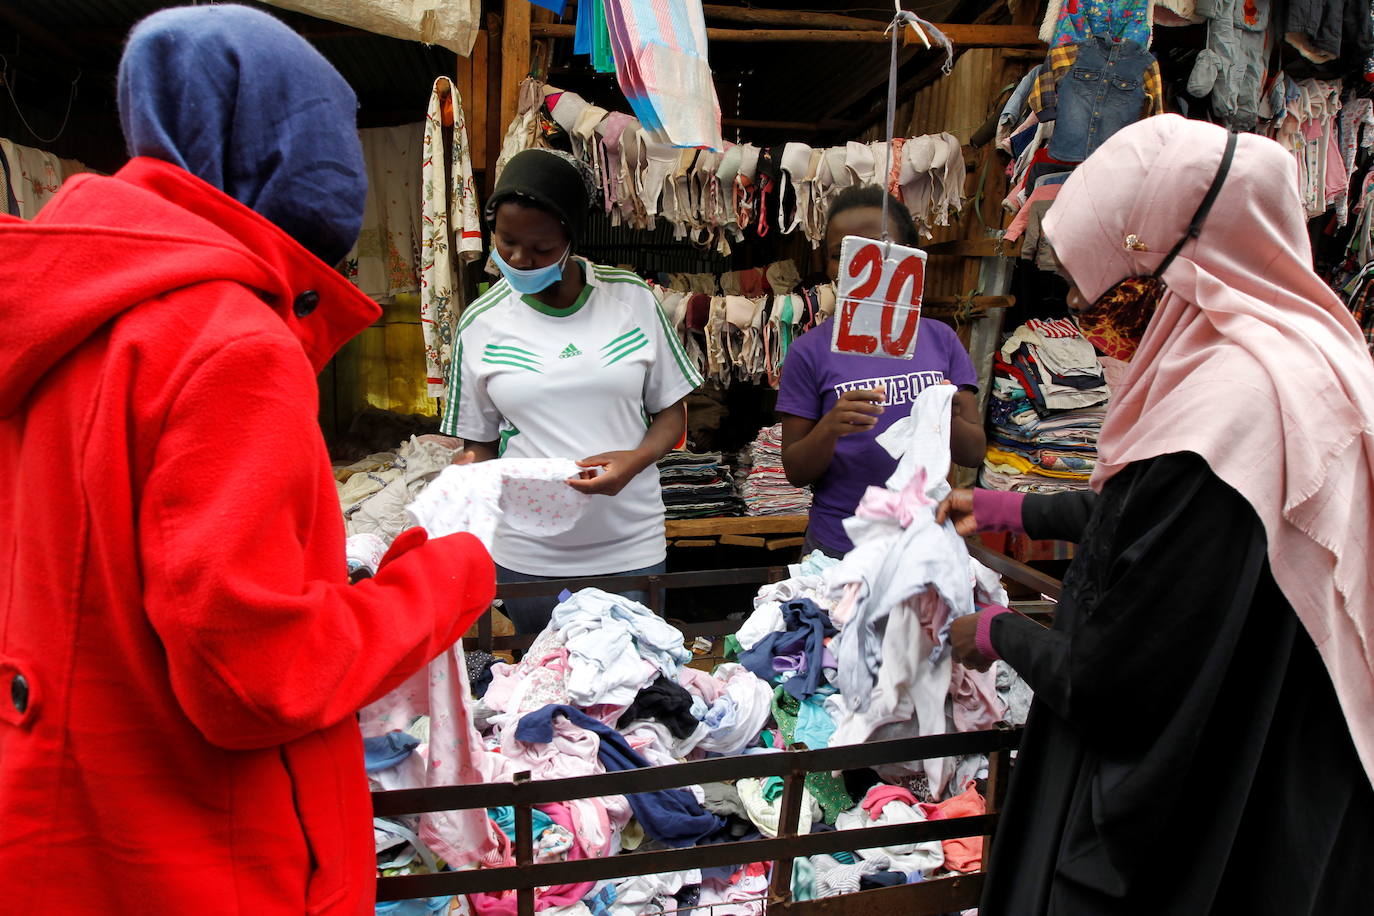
[813, 378]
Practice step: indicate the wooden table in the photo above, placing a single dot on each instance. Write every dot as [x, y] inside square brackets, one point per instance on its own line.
[772, 532]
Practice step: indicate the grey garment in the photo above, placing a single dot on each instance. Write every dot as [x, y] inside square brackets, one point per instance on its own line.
[722, 798]
[1329, 27]
[531, 615]
[1034, 245]
[1014, 112]
[1015, 692]
[384, 512]
[1231, 68]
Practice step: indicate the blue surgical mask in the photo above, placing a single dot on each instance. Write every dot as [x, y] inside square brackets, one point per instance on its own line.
[536, 280]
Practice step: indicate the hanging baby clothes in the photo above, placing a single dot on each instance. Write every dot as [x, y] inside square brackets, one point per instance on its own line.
[1233, 67]
[448, 206]
[34, 177]
[1069, 21]
[385, 260]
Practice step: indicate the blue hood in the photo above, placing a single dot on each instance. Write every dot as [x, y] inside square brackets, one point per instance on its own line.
[239, 100]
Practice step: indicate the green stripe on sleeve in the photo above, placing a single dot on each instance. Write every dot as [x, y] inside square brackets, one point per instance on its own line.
[448, 424]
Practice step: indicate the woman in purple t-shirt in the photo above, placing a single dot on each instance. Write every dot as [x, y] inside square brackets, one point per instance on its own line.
[834, 405]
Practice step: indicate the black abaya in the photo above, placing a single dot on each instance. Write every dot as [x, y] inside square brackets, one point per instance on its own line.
[1186, 753]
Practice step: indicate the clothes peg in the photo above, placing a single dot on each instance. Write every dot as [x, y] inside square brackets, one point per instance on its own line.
[445, 89]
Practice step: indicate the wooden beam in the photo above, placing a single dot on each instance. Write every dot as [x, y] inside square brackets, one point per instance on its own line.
[963, 35]
[1015, 570]
[515, 56]
[751, 525]
[742, 540]
[780, 543]
[984, 36]
[694, 543]
[791, 18]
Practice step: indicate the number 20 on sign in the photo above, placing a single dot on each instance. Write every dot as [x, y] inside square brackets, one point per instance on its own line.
[880, 290]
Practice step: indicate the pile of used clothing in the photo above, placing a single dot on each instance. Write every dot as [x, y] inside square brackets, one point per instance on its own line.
[1049, 397]
[840, 652]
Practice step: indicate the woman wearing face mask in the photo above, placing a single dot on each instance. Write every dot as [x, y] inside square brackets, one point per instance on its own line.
[565, 358]
[1201, 739]
[829, 427]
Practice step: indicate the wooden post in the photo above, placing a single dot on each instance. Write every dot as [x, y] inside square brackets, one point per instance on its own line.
[515, 57]
[496, 130]
[471, 83]
[524, 848]
[793, 797]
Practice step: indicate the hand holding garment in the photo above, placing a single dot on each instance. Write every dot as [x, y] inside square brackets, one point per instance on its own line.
[530, 495]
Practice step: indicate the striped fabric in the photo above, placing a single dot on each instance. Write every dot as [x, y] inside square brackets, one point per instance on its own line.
[1059, 328]
[660, 62]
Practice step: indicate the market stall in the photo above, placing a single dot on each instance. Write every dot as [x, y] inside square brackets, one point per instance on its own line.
[486, 800]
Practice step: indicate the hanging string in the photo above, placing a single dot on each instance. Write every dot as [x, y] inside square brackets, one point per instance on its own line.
[925, 31]
[9, 88]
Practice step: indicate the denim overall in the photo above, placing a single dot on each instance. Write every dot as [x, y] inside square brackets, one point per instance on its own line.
[1103, 91]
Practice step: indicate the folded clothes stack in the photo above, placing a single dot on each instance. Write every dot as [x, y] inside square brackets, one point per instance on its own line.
[697, 486]
[1049, 398]
[765, 488]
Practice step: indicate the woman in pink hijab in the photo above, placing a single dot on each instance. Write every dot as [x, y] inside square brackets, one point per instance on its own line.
[1202, 739]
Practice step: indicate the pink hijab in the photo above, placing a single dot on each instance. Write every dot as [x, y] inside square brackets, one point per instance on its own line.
[1251, 362]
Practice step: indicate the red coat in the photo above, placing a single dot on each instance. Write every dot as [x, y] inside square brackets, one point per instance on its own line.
[181, 656]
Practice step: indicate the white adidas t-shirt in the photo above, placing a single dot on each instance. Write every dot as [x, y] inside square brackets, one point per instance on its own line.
[572, 385]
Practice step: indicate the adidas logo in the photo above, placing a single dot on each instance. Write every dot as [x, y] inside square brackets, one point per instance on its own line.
[570, 351]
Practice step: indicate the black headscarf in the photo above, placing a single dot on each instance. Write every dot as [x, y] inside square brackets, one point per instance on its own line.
[550, 180]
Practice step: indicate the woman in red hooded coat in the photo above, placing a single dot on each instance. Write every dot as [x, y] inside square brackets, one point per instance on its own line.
[181, 656]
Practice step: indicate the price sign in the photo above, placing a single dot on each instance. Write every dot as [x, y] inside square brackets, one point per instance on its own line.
[880, 290]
